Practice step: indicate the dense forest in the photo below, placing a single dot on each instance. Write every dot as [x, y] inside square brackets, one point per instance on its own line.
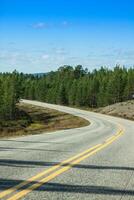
[67, 86]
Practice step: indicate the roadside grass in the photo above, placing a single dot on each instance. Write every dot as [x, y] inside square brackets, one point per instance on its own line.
[34, 120]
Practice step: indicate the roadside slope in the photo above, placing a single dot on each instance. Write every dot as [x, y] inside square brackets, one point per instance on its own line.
[123, 109]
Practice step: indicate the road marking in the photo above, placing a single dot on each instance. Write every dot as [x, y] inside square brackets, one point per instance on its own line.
[39, 175]
[109, 138]
[74, 162]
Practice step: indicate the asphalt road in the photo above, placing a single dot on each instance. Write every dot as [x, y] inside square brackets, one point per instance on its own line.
[31, 167]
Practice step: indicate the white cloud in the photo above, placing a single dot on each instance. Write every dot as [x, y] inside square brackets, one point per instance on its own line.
[61, 51]
[50, 59]
[66, 24]
[39, 25]
[45, 56]
[42, 25]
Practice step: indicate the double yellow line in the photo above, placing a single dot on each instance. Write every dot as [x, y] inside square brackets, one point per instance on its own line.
[54, 171]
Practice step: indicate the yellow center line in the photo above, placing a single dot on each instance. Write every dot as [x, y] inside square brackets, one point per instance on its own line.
[39, 175]
[34, 186]
[110, 138]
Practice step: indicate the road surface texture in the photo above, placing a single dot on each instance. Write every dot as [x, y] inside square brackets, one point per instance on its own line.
[93, 162]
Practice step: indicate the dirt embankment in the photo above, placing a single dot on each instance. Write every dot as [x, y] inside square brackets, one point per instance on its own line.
[123, 109]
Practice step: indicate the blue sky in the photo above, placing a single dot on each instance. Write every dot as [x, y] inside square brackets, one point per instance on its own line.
[41, 35]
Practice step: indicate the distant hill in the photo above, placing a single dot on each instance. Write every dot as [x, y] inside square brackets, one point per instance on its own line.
[40, 74]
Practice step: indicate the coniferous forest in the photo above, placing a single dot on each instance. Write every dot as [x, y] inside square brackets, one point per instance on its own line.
[72, 86]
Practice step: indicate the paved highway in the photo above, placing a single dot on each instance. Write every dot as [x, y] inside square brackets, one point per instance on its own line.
[93, 162]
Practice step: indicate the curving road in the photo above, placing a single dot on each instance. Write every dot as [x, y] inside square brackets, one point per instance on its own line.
[93, 162]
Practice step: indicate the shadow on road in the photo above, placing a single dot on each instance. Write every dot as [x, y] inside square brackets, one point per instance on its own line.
[57, 187]
[31, 164]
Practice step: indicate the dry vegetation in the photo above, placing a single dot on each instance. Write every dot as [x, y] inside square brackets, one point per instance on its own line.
[123, 109]
[35, 120]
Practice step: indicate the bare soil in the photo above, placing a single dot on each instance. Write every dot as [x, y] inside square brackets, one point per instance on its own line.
[123, 110]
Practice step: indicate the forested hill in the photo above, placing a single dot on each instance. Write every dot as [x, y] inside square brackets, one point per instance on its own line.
[67, 86]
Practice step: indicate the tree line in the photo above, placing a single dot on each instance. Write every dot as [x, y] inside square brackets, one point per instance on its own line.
[73, 86]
